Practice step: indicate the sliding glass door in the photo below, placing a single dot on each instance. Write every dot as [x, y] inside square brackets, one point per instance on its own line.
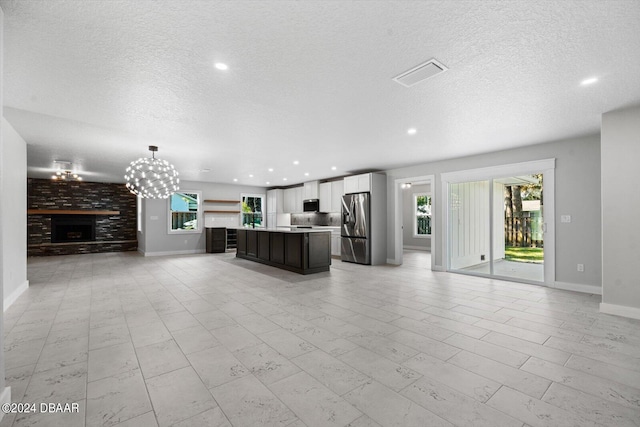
[497, 226]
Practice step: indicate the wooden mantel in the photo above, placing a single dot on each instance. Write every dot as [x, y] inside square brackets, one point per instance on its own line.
[70, 212]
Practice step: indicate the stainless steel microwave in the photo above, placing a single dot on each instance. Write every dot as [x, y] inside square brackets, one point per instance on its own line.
[311, 205]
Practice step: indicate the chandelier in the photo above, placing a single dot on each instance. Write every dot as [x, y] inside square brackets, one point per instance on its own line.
[66, 175]
[152, 178]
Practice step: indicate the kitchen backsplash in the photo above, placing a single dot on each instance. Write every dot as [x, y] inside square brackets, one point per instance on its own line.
[316, 218]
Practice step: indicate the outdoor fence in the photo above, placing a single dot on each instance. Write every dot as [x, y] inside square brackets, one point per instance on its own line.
[525, 231]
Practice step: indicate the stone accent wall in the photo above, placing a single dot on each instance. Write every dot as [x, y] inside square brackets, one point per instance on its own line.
[114, 233]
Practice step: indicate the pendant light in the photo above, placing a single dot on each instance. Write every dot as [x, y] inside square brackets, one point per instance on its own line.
[152, 178]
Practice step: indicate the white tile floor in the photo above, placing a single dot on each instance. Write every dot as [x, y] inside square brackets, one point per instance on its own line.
[209, 340]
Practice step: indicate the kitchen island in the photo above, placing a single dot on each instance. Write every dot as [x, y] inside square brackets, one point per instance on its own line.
[303, 251]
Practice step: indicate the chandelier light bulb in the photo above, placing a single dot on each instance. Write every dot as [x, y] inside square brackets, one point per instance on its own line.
[152, 178]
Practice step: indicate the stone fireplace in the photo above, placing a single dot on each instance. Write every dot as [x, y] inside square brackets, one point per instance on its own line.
[66, 218]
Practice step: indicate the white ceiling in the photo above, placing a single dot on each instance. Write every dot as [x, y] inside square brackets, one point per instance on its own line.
[95, 83]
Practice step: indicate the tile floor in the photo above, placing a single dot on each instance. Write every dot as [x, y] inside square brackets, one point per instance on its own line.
[210, 340]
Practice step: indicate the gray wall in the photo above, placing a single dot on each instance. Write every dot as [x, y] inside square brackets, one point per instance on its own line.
[13, 212]
[407, 218]
[577, 194]
[155, 238]
[620, 207]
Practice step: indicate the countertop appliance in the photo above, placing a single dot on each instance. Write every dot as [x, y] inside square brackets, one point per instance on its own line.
[311, 205]
[356, 228]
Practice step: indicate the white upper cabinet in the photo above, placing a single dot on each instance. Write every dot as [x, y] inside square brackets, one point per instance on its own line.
[325, 197]
[275, 201]
[357, 183]
[299, 197]
[337, 191]
[311, 190]
[289, 200]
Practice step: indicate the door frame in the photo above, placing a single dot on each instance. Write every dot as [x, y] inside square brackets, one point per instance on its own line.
[398, 223]
[544, 166]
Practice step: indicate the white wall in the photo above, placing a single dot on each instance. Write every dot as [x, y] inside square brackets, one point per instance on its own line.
[155, 238]
[620, 151]
[408, 239]
[577, 188]
[5, 392]
[14, 214]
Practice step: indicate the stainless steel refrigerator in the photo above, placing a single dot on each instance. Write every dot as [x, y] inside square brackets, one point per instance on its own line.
[356, 228]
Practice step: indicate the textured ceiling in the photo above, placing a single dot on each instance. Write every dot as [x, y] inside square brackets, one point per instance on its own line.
[95, 83]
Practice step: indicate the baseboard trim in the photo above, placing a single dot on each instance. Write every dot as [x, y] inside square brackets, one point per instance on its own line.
[620, 310]
[5, 397]
[392, 261]
[577, 287]
[9, 300]
[418, 248]
[165, 253]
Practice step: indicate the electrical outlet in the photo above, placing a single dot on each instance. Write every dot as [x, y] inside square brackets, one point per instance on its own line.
[580, 267]
[565, 218]
[481, 257]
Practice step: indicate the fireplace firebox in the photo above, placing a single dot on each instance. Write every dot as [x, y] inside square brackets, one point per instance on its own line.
[73, 228]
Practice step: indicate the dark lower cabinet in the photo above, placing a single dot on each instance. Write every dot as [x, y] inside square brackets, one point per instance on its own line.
[252, 243]
[277, 247]
[263, 246]
[216, 239]
[241, 242]
[301, 252]
[318, 255]
[293, 250]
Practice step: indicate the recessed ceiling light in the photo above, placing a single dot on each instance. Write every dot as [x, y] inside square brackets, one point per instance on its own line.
[268, 183]
[250, 176]
[306, 174]
[284, 179]
[295, 162]
[221, 66]
[412, 131]
[333, 168]
[270, 169]
[589, 81]
[235, 179]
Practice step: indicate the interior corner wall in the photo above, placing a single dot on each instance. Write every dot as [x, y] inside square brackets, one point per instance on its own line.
[577, 188]
[620, 151]
[14, 214]
[155, 238]
[408, 239]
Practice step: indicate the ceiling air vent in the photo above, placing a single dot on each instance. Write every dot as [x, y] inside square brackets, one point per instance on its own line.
[420, 73]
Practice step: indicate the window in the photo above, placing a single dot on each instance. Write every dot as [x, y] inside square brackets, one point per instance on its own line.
[252, 210]
[184, 212]
[422, 213]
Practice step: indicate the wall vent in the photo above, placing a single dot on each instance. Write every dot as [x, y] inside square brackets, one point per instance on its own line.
[420, 73]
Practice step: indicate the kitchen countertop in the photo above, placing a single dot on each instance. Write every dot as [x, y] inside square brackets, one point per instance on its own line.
[313, 227]
[283, 229]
